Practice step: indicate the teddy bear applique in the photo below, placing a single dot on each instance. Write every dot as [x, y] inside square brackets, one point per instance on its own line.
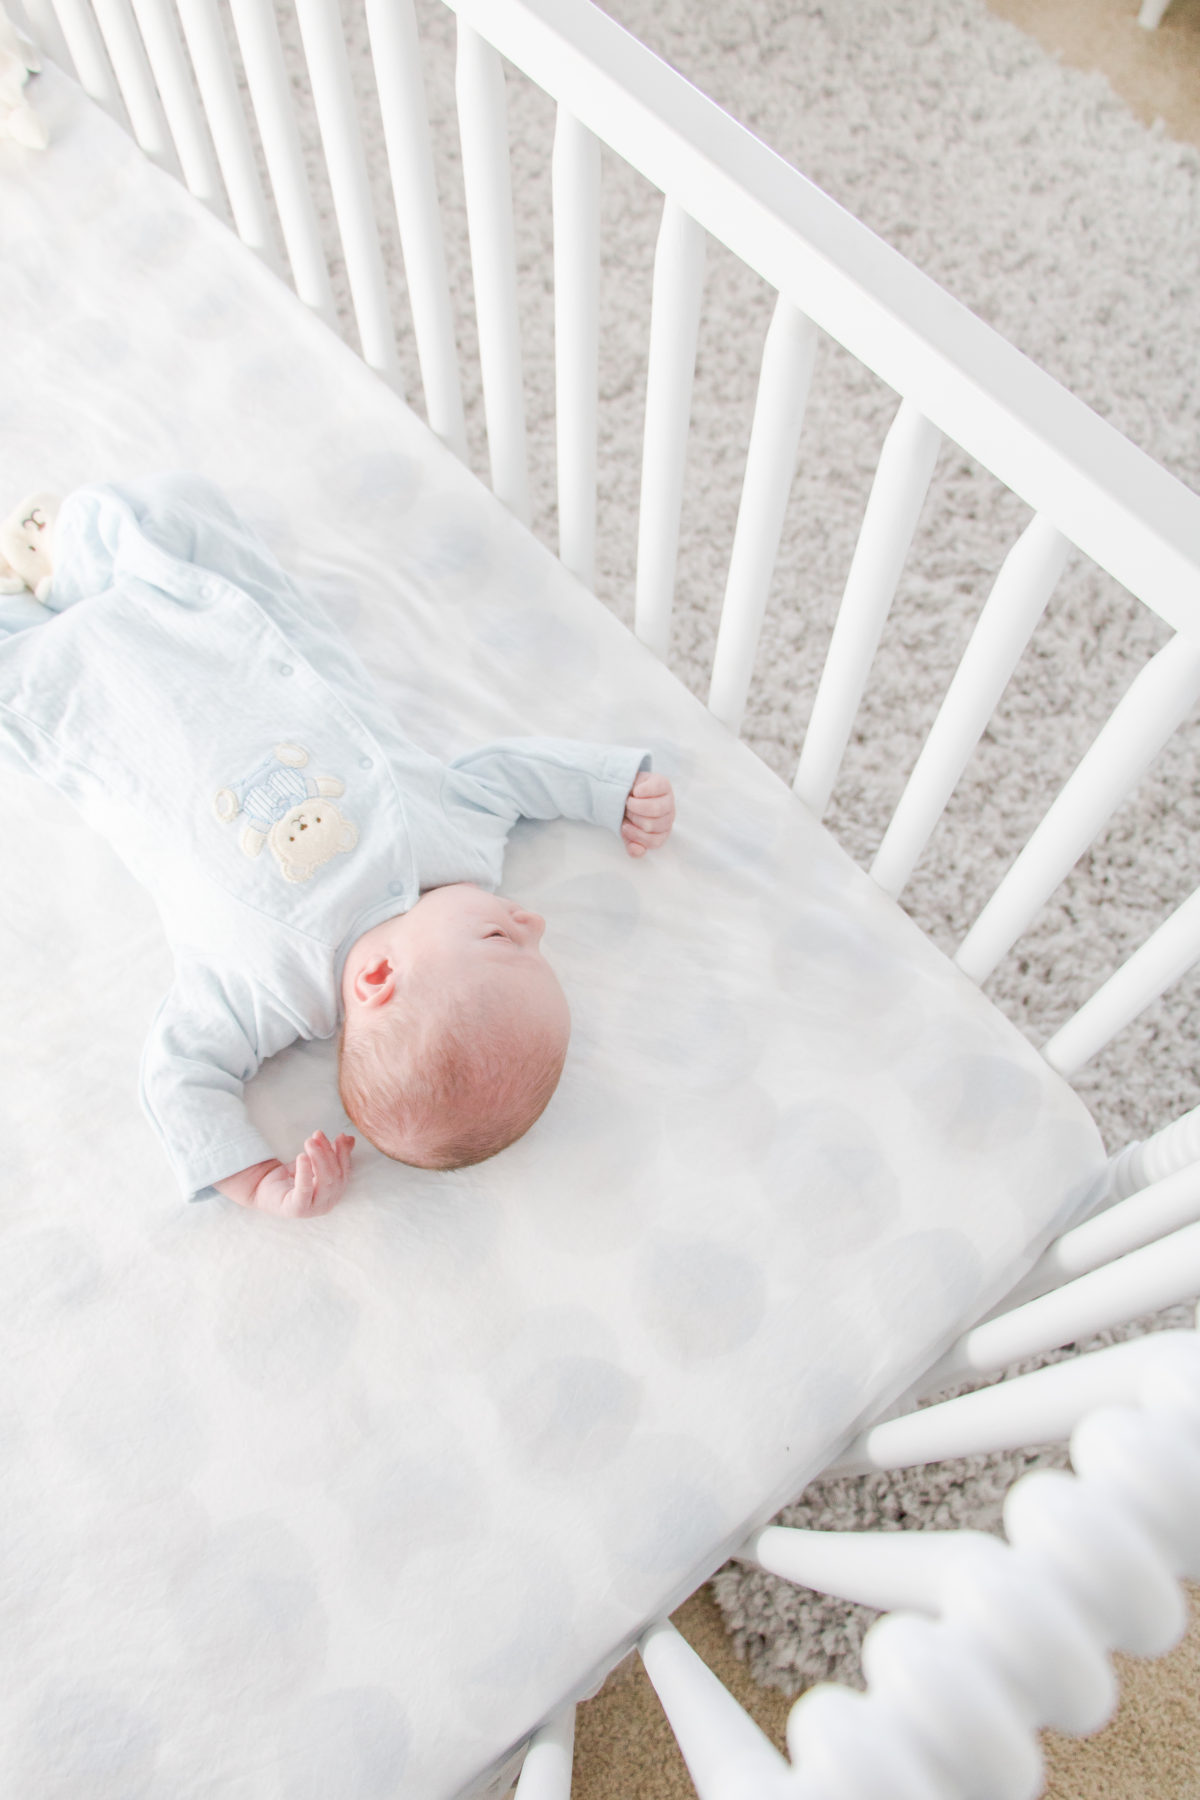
[291, 813]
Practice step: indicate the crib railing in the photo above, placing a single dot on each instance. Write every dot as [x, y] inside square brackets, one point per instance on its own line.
[1019, 1633]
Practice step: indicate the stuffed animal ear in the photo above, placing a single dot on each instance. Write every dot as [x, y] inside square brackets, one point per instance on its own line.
[348, 837]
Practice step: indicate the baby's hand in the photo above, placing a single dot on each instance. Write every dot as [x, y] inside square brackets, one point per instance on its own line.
[312, 1185]
[649, 814]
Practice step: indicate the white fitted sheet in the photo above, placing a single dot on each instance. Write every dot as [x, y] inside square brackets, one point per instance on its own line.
[348, 1507]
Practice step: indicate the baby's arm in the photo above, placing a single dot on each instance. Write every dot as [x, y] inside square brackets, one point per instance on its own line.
[312, 1185]
[209, 1038]
[564, 778]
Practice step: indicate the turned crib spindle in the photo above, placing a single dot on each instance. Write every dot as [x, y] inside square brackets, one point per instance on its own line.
[169, 67]
[546, 1771]
[1175, 1147]
[1160, 697]
[266, 76]
[897, 494]
[345, 159]
[395, 51]
[1017, 601]
[487, 183]
[783, 384]
[85, 46]
[222, 107]
[576, 175]
[127, 54]
[674, 327]
[1166, 955]
[726, 1753]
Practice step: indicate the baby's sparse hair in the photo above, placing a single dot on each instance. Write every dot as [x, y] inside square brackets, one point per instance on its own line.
[445, 1081]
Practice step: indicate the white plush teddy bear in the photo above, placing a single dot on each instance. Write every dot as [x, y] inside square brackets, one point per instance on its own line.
[18, 61]
[27, 546]
[292, 814]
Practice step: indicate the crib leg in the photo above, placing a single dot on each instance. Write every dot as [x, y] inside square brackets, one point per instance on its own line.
[728, 1757]
[546, 1771]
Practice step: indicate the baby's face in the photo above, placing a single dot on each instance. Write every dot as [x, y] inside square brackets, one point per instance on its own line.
[462, 937]
[461, 917]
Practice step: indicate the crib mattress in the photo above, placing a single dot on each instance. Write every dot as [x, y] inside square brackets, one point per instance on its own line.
[348, 1507]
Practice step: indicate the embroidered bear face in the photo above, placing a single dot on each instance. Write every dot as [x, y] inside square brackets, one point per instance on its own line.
[293, 813]
[309, 835]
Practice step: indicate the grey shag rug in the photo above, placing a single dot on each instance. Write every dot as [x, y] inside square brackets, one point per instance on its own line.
[1032, 194]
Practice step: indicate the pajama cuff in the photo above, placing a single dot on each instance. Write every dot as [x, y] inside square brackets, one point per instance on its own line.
[622, 769]
[198, 1172]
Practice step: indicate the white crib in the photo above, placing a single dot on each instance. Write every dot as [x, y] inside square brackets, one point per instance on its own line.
[987, 1642]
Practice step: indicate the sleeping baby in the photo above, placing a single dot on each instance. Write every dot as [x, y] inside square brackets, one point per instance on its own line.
[313, 868]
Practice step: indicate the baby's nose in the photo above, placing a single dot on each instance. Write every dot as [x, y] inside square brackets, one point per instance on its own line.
[531, 920]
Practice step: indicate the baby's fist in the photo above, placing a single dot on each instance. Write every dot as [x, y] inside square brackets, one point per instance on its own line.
[649, 814]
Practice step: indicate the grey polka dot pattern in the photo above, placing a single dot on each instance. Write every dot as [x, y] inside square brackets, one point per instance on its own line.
[289, 1511]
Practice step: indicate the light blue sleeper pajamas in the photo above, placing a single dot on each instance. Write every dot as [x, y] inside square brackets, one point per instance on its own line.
[210, 720]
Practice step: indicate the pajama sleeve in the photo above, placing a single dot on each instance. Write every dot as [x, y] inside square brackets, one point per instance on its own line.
[548, 778]
[208, 1038]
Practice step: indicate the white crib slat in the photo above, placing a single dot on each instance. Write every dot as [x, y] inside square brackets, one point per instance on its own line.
[1159, 1274]
[674, 326]
[222, 108]
[337, 116]
[487, 183]
[395, 51]
[1041, 1407]
[266, 76]
[726, 1753]
[546, 1771]
[883, 1569]
[1166, 955]
[86, 47]
[1016, 603]
[1157, 701]
[783, 383]
[128, 57]
[1175, 1147]
[1162, 1207]
[576, 173]
[169, 67]
[897, 495]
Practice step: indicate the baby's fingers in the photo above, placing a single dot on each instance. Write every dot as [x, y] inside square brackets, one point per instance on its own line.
[655, 809]
[324, 1159]
[645, 834]
[303, 1183]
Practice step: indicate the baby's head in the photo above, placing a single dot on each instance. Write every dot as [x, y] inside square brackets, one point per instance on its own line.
[456, 1028]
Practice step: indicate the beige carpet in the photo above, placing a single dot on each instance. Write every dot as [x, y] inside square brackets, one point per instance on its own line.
[1151, 1748]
